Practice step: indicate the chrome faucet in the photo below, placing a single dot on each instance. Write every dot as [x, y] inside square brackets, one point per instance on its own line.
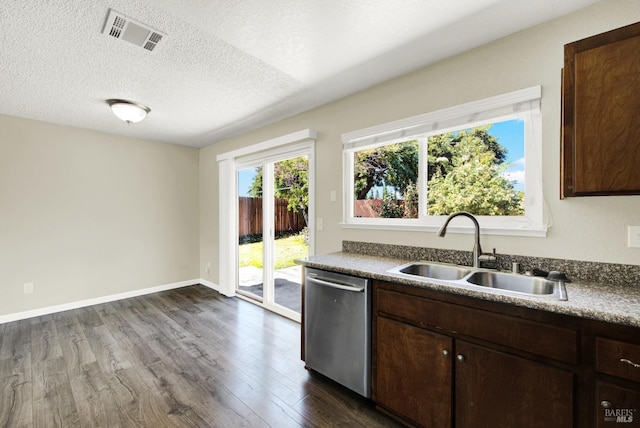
[477, 250]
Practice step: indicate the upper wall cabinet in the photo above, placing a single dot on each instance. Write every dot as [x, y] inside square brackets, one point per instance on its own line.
[601, 115]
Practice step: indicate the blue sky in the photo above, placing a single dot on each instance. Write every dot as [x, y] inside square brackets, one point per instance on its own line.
[511, 135]
[245, 178]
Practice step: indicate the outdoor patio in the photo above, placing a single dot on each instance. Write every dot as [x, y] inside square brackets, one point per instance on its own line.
[287, 285]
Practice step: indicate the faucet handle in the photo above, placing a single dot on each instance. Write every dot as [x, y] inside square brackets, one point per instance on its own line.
[489, 261]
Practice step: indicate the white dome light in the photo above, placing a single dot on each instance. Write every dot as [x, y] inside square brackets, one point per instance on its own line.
[128, 111]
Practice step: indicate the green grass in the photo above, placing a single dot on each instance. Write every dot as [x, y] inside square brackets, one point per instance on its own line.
[287, 250]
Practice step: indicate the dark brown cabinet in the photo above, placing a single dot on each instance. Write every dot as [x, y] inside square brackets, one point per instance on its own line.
[600, 111]
[617, 400]
[494, 389]
[617, 406]
[428, 372]
[414, 372]
[618, 358]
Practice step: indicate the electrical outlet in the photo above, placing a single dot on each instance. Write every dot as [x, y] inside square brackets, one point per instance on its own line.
[319, 224]
[208, 269]
[332, 196]
[28, 287]
[634, 236]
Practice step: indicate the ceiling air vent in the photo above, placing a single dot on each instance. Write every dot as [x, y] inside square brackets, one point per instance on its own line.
[121, 27]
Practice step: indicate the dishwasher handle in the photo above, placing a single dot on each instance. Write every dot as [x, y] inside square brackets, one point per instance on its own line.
[340, 286]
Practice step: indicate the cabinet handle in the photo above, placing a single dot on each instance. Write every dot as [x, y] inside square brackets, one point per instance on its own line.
[631, 363]
[606, 404]
[460, 358]
[445, 352]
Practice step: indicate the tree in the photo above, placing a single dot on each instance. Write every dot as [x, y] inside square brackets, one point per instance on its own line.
[464, 172]
[393, 165]
[411, 201]
[291, 178]
[473, 180]
[255, 190]
[442, 148]
[390, 207]
[396, 165]
[291, 182]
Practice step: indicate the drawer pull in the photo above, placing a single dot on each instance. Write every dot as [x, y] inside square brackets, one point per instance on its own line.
[606, 404]
[631, 363]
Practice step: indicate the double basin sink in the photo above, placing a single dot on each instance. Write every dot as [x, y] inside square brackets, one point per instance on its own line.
[504, 283]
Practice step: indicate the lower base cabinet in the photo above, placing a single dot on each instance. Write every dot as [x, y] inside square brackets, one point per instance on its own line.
[413, 373]
[430, 373]
[493, 389]
[420, 377]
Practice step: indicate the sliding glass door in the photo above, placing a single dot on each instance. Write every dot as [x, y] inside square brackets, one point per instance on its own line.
[250, 233]
[273, 215]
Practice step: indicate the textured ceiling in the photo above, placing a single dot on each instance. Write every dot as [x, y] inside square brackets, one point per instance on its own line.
[226, 66]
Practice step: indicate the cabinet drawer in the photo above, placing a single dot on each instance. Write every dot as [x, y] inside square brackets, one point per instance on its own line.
[616, 406]
[529, 336]
[618, 359]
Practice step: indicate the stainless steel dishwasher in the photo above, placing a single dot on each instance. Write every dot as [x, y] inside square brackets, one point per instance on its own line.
[337, 328]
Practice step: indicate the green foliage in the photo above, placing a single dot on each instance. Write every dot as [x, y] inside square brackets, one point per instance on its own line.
[472, 181]
[464, 172]
[395, 165]
[291, 178]
[256, 185]
[391, 207]
[440, 151]
[411, 201]
[291, 182]
[442, 148]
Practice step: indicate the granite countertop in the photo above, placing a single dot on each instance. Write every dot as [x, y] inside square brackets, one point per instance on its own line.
[604, 302]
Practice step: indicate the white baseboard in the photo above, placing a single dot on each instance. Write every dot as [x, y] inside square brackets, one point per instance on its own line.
[104, 299]
[216, 287]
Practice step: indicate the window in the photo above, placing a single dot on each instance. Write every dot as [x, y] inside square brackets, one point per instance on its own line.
[481, 157]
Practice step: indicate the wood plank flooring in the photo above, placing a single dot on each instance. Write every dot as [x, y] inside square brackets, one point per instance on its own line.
[183, 358]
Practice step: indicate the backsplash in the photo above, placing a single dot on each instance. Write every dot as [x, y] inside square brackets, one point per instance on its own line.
[605, 273]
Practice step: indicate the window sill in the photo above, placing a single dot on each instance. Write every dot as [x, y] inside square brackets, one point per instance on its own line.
[532, 232]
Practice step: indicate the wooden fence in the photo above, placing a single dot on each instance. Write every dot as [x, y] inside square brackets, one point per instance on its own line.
[250, 217]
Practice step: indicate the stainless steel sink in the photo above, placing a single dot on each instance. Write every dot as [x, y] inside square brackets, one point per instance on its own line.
[509, 282]
[505, 281]
[491, 281]
[432, 270]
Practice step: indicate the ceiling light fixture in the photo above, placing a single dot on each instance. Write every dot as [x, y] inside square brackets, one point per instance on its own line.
[128, 111]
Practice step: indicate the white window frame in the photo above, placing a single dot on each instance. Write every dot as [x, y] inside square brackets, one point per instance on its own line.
[522, 104]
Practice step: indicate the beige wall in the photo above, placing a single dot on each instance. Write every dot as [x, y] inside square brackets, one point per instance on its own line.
[583, 228]
[85, 214]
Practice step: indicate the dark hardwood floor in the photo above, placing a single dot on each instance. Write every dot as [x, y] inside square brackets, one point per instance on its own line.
[183, 358]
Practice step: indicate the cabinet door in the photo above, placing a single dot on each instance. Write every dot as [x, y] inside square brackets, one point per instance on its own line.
[413, 373]
[617, 406]
[496, 390]
[601, 139]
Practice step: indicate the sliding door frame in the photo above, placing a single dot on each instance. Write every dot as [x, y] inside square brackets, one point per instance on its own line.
[301, 143]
